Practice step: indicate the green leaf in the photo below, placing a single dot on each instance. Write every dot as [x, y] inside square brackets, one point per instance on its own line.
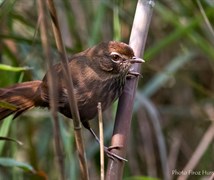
[116, 22]
[7, 105]
[14, 69]
[4, 130]
[8, 162]
[10, 139]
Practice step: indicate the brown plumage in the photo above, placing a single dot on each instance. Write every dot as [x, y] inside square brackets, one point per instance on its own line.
[98, 74]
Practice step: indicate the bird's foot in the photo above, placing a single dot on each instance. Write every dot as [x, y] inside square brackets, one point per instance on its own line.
[112, 155]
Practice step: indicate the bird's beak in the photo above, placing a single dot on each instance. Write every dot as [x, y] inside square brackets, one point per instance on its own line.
[136, 60]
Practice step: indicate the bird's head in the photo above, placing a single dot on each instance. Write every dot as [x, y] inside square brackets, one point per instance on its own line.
[115, 57]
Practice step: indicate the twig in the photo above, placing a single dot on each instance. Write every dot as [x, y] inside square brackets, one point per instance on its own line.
[209, 26]
[52, 90]
[101, 141]
[211, 177]
[200, 150]
[124, 112]
[202, 147]
[70, 88]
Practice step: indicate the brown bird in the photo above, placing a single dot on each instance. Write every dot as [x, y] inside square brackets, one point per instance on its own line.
[99, 74]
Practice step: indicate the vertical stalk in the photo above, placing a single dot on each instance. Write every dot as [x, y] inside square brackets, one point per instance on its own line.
[70, 88]
[122, 125]
[52, 90]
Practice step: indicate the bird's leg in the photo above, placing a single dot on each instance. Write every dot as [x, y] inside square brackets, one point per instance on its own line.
[106, 149]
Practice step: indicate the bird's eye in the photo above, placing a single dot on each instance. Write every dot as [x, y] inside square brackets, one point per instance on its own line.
[115, 57]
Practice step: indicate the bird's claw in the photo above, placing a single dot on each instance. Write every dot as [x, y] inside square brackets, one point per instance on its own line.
[113, 155]
[114, 147]
[134, 74]
[107, 150]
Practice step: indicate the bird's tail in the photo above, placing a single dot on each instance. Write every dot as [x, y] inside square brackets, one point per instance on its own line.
[18, 98]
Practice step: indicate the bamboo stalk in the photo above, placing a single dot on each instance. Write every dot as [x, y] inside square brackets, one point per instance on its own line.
[122, 125]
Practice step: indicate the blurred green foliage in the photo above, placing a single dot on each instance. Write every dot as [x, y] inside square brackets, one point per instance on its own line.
[178, 80]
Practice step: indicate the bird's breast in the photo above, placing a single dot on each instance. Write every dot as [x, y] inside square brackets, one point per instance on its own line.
[92, 92]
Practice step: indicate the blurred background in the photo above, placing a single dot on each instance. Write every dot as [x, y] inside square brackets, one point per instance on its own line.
[173, 117]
